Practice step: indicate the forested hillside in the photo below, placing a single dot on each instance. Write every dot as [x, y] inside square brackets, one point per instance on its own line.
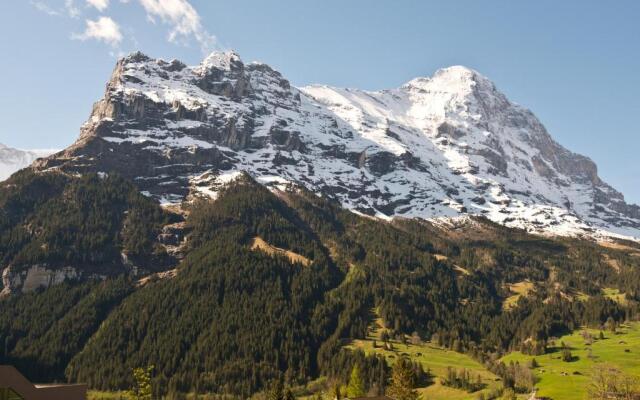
[233, 317]
[92, 225]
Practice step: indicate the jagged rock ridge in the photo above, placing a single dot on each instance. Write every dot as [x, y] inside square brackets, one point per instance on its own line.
[444, 146]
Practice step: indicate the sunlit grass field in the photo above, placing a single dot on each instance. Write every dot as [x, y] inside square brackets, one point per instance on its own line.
[558, 380]
[96, 395]
[432, 357]
[569, 380]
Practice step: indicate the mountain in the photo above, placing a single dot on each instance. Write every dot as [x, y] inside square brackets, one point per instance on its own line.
[446, 146]
[274, 284]
[234, 231]
[12, 160]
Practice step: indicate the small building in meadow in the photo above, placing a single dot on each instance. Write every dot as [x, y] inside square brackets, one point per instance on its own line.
[14, 386]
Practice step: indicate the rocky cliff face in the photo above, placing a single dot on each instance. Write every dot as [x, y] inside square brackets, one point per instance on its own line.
[444, 146]
[37, 276]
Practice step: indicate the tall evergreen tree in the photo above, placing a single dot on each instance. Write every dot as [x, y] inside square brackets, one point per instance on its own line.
[276, 392]
[288, 395]
[142, 389]
[356, 384]
[403, 382]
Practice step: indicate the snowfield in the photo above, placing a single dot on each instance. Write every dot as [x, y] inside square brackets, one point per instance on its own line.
[440, 147]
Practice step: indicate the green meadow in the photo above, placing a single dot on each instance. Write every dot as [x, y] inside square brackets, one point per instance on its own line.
[97, 395]
[562, 380]
[558, 379]
[432, 357]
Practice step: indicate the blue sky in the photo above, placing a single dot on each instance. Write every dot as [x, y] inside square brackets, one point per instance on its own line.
[574, 63]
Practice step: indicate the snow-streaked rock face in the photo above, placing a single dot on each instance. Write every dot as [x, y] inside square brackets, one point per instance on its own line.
[12, 160]
[444, 146]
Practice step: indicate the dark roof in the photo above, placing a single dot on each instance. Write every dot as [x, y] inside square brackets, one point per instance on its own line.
[11, 378]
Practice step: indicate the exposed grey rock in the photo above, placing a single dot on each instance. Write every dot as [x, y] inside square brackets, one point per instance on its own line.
[37, 276]
[442, 146]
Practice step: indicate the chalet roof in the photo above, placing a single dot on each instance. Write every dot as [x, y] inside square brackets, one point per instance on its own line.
[11, 378]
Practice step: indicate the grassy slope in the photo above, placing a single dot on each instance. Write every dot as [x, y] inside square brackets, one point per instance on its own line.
[260, 244]
[432, 357]
[518, 289]
[558, 379]
[615, 295]
[98, 395]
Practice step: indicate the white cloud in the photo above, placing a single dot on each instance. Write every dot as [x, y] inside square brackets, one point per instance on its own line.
[69, 8]
[43, 7]
[101, 5]
[183, 18]
[184, 22]
[103, 29]
[72, 10]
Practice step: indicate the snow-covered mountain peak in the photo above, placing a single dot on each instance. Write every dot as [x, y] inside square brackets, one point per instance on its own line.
[456, 79]
[445, 146]
[455, 94]
[224, 60]
[456, 72]
[12, 160]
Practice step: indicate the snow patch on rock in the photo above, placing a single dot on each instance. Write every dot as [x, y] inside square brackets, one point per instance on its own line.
[444, 146]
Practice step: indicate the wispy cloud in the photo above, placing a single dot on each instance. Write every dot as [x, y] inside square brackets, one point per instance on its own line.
[45, 8]
[72, 10]
[104, 29]
[184, 20]
[100, 5]
[68, 8]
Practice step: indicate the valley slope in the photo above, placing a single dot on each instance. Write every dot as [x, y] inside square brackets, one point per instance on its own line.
[232, 317]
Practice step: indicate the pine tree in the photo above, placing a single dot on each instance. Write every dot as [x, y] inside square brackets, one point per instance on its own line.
[288, 395]
[337, 395]
[142, 389]
[356, 384]
[566, 355]
[403, 381]
[276, 392]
